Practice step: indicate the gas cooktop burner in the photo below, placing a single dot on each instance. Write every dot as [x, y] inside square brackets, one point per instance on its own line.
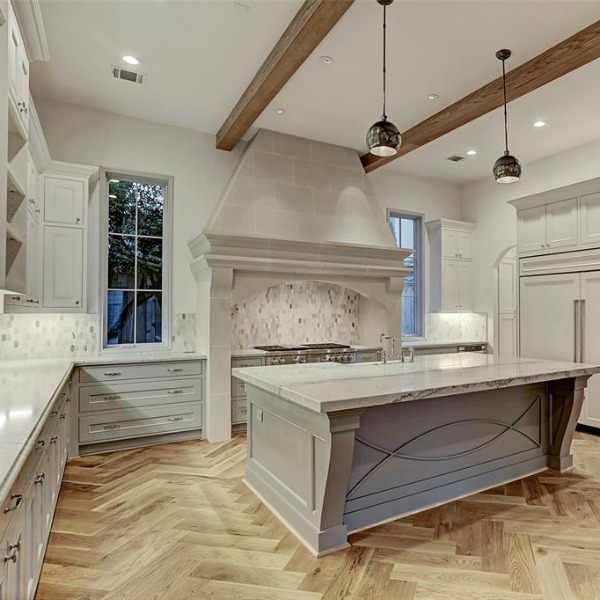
[326, 346]
[276, 348]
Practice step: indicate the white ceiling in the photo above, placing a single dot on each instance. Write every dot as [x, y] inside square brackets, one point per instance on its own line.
[200, 55]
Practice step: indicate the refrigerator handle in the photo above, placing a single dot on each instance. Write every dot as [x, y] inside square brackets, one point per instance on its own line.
[575, 330]
[581, 330]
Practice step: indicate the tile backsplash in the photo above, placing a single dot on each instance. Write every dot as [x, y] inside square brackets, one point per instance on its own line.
[183, 338]
[442, 327]
[299, 312]
[60, 335]
[47, 335]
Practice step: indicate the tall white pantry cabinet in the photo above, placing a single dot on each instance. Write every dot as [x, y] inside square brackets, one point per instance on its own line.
[559, 280]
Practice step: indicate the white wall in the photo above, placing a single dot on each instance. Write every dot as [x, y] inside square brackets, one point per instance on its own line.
[485, 203]
[429, 198]
[85, 136]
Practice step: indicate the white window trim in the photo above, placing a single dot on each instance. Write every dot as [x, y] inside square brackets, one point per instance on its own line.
[167, 181]
[419, 270]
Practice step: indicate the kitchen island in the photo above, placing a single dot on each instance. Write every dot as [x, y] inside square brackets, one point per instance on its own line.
[336, 448]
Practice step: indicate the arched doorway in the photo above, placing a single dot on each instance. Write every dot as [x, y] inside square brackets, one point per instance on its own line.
[506, 304]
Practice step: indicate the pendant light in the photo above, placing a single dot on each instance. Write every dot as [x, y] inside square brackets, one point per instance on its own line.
[507, 169]
[383, 137]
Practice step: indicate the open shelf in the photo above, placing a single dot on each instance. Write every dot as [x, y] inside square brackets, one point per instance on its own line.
[14, 234]
[15, 124]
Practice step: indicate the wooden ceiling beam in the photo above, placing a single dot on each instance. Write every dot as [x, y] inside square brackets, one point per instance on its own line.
[312, 23]
[570, 54]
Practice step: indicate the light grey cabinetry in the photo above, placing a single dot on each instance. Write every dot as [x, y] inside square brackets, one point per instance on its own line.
[239, 403]
[27, 511]
[122, 404]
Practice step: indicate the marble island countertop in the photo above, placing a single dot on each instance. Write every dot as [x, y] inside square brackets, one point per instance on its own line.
[329, 387]
[28, 390]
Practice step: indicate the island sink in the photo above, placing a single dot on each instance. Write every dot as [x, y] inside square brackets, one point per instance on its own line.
[334, 449]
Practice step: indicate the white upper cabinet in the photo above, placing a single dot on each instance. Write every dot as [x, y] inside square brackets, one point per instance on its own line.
[561, 224]
[63, 267]
[455, 243]
[532, 230]
[18, 70]
[451, 266]
[589, 219]
[64, 201]
[560, 220]
[549, 228]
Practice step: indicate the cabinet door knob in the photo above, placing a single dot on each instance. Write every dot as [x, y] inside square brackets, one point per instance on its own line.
[17, 498]
[77, 302]
[78, 220]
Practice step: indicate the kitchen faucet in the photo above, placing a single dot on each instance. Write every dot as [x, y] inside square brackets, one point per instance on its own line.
[384, 337]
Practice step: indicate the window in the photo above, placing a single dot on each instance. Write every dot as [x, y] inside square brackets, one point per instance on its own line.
[407, 233]
[136, 250]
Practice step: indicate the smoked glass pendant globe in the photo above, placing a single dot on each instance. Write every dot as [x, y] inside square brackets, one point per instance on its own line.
[383, 138]
[507, 169]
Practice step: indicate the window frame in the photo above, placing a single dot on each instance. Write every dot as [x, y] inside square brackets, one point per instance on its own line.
[419, 249]
[167, 182]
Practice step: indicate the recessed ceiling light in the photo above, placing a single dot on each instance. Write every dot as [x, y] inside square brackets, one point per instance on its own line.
[280, 111]
[130, 60]
[471, 152]
[327, 60]
[433, 97]
[539, 124]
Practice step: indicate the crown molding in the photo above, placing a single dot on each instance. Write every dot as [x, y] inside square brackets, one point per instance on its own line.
[29, 16]
[57, 167]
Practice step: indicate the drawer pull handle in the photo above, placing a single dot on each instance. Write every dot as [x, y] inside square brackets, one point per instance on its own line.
[174, 419]
[40, 444]
[175, 392]
[113, 373]
[18, 498]
[12, 557]
[175, 370]
[112, 397]
[40, 479]
[54, 439]
[113, 426]
[62, 416]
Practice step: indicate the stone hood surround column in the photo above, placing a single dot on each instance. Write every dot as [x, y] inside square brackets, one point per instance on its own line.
[294, 209]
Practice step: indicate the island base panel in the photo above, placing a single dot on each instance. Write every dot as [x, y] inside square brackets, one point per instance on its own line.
[325, 474]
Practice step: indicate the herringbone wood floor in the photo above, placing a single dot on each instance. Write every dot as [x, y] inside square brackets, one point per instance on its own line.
[175, 522]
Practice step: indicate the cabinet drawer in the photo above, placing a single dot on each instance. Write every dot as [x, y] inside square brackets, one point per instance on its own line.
[238, 388]
[13, 504]
[132, 395]
[239, 411]
[141, 371]
[246, 362]
[131, 423]
[363, 357]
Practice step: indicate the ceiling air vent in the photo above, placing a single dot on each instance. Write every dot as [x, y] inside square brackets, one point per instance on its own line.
[128, 75]
[455, 158]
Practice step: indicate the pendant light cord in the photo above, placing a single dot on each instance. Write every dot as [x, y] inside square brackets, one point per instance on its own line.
[505, 113]
[384, 116]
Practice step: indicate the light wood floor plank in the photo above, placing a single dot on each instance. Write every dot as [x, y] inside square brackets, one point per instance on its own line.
[176, 522]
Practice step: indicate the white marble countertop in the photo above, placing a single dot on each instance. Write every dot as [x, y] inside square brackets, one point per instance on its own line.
[329, 387]
[29, 388]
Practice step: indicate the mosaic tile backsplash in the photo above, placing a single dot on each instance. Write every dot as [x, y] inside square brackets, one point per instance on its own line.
[47, 336]
[59, 335]
[184, 332]
[299, 312]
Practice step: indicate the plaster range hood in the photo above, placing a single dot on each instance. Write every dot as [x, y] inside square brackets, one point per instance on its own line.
[295, 209]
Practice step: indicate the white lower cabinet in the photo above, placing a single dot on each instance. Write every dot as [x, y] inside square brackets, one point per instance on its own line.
[125, 404]
[26, 513]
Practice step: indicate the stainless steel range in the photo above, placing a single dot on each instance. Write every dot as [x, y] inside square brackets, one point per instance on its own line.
[303, 353]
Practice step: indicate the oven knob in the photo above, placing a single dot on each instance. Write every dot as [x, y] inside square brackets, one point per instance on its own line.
[337, 358]
[325, 358]
[282, 361]
[297, 359]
